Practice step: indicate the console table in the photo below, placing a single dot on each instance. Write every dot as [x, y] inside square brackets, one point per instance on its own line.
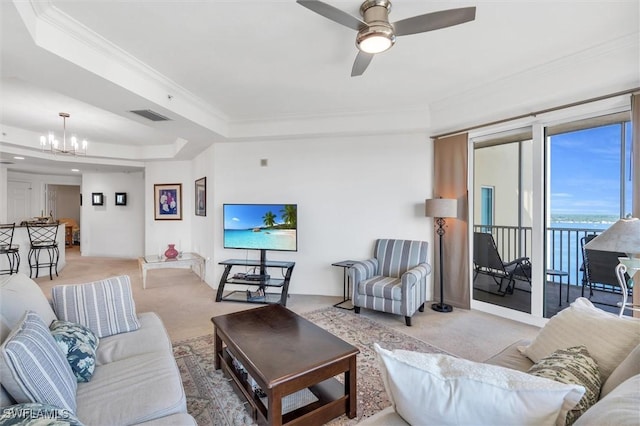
[260, 285]
[185, 260]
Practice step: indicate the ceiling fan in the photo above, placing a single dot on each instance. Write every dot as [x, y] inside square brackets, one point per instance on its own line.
[376, 34]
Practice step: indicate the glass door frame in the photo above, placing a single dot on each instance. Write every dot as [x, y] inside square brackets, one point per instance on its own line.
[540, 196]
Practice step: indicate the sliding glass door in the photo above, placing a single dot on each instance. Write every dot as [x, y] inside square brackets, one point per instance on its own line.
[538, 192]
[502, 219]
[589, 187]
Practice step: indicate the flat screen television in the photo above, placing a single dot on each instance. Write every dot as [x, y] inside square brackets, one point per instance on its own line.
[261, 226]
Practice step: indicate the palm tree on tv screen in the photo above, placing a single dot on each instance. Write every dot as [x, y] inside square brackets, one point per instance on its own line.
[290, 215]
[269, 219]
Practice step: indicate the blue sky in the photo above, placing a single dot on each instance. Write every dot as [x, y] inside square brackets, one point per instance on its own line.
[585, 172]
[244, 216]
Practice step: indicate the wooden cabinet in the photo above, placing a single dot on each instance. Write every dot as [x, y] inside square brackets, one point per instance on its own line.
[68, 235]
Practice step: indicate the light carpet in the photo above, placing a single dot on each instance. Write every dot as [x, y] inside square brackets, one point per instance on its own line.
[212, 401]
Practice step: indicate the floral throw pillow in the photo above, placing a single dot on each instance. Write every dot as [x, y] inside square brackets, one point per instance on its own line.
[572, 366]
[79, 344]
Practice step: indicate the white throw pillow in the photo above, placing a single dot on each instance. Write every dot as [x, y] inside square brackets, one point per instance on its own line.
[443, 390]
[618, 408]
[628, 368]
[106, 307]
[608, 338]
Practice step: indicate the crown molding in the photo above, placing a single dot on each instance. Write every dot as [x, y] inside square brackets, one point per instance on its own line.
[60, 34]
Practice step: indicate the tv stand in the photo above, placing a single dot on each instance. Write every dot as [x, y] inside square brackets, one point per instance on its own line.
[263, 281]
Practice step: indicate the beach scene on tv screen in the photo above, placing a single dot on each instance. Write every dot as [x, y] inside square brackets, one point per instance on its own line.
[261, 226]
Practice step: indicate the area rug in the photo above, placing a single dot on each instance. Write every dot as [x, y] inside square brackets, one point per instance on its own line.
[212, 401]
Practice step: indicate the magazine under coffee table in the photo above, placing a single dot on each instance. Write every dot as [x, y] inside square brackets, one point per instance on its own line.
[283, 355]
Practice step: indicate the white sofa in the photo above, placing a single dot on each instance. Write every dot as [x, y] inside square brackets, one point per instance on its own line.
[435, 389]
[136, 379]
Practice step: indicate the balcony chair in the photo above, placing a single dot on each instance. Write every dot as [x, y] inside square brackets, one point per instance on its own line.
[487, 261]
[43, 238]
[599, 271]
[7, 247]
[394, 280]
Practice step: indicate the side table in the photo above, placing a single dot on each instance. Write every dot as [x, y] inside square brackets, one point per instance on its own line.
[346, 283]
[559, 274]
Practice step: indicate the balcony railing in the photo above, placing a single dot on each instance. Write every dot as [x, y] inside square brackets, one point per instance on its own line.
[564, 250]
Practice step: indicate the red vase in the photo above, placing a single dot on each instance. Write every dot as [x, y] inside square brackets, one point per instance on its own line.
[171, 252]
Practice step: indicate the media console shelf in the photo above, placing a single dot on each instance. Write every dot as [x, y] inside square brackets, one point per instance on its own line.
[257, 288]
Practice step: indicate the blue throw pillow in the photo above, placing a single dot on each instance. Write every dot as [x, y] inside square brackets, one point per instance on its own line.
[35, 413]
[79, 344]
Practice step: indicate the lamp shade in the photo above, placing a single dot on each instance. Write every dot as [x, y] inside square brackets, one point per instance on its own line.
[441, 207]
[622, 236]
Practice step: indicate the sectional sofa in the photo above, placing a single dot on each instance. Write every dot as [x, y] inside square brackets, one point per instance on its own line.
[132, 375]
[582, 368]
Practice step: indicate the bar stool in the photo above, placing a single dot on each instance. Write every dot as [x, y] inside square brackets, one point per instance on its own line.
[43, 238]
[7, 247]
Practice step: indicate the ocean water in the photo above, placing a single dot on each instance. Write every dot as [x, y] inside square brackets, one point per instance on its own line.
[265, 239]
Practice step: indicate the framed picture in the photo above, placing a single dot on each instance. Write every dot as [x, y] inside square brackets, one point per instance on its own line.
[97, 199]
[201, 197]
[168, 201]
[121, 198]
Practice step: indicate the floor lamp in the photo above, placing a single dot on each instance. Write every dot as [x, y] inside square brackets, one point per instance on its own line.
[440, 208]
[622, 236]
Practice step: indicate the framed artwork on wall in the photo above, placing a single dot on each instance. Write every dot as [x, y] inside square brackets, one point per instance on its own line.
[167, 201]
[97, 199]
[201, 197]
[121, 198]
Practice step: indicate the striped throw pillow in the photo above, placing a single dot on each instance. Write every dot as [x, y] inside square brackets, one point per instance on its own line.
[106, 307]
[33, 367]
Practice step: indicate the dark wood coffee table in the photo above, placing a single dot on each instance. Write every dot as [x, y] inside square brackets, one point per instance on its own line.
[284, 353]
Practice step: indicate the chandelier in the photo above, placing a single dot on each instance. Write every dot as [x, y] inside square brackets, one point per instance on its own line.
[73, 147]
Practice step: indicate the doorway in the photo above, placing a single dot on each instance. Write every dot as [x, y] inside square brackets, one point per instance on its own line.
[63, 204]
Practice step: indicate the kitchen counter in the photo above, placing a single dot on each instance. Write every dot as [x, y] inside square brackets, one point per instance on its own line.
[21, 238]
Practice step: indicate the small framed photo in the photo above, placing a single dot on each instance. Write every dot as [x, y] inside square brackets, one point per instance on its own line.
[201, 197]
[168, 201]
[121, 198]
[97, 199]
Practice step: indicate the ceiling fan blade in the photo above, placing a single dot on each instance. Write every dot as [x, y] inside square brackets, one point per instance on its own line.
[434, 21]
[333, 13]
[361, 63]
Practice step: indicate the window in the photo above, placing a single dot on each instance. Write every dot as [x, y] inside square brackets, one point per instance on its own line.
[486, 207]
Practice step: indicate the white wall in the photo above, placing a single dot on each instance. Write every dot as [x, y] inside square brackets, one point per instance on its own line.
[160, 233]
[203, 228]
[349, 191]
[110, 230]
[3, 194]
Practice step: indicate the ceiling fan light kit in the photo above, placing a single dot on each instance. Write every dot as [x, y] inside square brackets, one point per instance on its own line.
[376, 34]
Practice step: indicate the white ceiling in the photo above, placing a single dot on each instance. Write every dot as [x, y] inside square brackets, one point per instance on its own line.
[256, 70]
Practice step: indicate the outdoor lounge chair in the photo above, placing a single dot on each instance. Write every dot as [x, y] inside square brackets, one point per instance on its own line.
[487, 261]
[599, 271]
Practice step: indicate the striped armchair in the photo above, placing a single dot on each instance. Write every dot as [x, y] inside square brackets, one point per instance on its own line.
[394, 280]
